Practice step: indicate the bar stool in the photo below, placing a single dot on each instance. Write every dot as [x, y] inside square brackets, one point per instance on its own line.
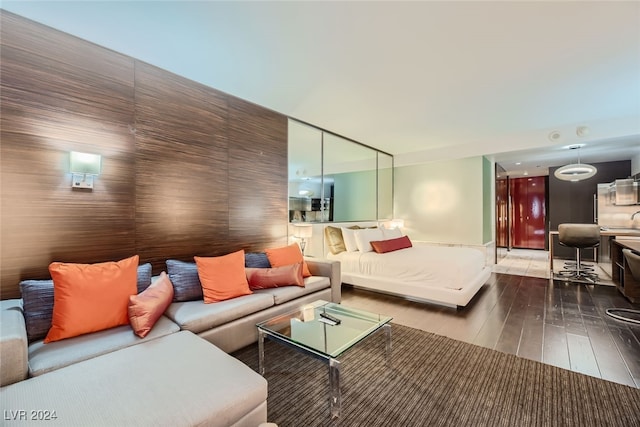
[633, 262]
[579, 236]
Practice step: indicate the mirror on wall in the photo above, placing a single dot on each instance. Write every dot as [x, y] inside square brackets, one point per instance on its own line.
[334, 179]
[385, 185]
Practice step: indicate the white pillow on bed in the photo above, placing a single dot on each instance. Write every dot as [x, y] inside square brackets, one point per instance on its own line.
[391, 233]
[367, 235]
[349, 237]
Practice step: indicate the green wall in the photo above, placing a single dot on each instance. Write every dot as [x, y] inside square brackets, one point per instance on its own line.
[445, 202]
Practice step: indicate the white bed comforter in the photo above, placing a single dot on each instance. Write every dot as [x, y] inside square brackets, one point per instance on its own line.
[424, 265]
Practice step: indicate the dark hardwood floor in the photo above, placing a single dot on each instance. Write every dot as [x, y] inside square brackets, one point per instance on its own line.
[557, 323]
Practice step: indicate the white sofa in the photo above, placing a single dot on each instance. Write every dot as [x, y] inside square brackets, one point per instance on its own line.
[174, 374]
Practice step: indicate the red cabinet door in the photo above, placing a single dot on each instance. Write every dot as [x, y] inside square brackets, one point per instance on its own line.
[528, 212]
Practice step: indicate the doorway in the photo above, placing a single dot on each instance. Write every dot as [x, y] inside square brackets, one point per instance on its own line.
[521, 212]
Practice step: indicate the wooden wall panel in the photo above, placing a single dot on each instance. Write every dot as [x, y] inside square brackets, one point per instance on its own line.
[61, 94]
[182, 199]
[258, 216]
[186, 169]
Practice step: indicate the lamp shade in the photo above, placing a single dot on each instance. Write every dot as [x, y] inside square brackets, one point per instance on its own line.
[84, 163]
[302, 230]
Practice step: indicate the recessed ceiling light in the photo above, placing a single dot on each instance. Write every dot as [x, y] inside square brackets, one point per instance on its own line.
[582, 131]
[518, 163]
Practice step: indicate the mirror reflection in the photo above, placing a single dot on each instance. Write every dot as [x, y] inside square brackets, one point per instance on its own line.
[335, 179]
[385, 186]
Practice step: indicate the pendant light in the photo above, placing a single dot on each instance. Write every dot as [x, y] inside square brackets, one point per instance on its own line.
[575, 171]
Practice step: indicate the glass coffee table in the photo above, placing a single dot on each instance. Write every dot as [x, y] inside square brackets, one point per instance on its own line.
[308, 332]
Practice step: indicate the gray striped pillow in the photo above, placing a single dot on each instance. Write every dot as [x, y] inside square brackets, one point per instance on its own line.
[185, 280]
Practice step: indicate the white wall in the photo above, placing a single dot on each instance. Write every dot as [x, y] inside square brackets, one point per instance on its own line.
[441, 201]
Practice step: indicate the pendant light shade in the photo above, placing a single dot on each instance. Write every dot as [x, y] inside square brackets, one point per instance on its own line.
[575, 171]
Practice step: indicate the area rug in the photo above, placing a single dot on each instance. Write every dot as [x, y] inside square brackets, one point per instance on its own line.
[437, 381]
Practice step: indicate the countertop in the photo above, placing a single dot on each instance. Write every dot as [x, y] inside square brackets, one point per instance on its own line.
[611, 232]
[605, 231]
[630, 244]
[620, 232]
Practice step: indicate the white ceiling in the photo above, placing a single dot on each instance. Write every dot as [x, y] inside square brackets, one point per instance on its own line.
[421, 80]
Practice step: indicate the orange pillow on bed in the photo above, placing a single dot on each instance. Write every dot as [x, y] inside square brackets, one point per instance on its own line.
[287, 255]
[222, 277]
[91, 297]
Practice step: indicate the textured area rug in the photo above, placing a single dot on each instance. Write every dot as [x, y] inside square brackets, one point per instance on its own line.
[437, 381]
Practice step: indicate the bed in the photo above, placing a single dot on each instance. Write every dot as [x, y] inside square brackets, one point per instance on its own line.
[444, 275]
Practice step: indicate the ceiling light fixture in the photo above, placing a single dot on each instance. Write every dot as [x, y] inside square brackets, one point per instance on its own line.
[575, 171]
[582, 131]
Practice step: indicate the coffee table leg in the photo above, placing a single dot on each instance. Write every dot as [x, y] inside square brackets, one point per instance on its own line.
[387, 330]
[334, 382]
[260, 352]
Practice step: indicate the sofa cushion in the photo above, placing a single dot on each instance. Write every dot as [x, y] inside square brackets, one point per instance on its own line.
[196, 316]
[90, 297]
[37, 299]
[144, 276]
[256, 260]
[185, 280]
[44, 358]
[287, 293]
[147, 307]
[178, 380]
[222, 277]
[264, 278]
[287, 255]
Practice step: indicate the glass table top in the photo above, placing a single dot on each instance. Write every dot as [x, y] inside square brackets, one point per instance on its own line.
[303, 328]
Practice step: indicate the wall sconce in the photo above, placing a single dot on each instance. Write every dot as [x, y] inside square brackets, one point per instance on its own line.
[83, 167]
[302, 232]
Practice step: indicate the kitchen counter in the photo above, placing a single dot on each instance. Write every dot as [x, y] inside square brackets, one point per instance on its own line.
[611, 232]
[621, 276]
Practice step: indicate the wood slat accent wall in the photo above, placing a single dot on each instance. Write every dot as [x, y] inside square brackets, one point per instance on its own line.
[186, 170]
[182, 199]
[256, 216]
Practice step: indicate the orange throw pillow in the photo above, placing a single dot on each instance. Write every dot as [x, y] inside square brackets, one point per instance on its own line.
[90, 297]
[222, 277]
[288, 255]
[146, 308]
[265, 278]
